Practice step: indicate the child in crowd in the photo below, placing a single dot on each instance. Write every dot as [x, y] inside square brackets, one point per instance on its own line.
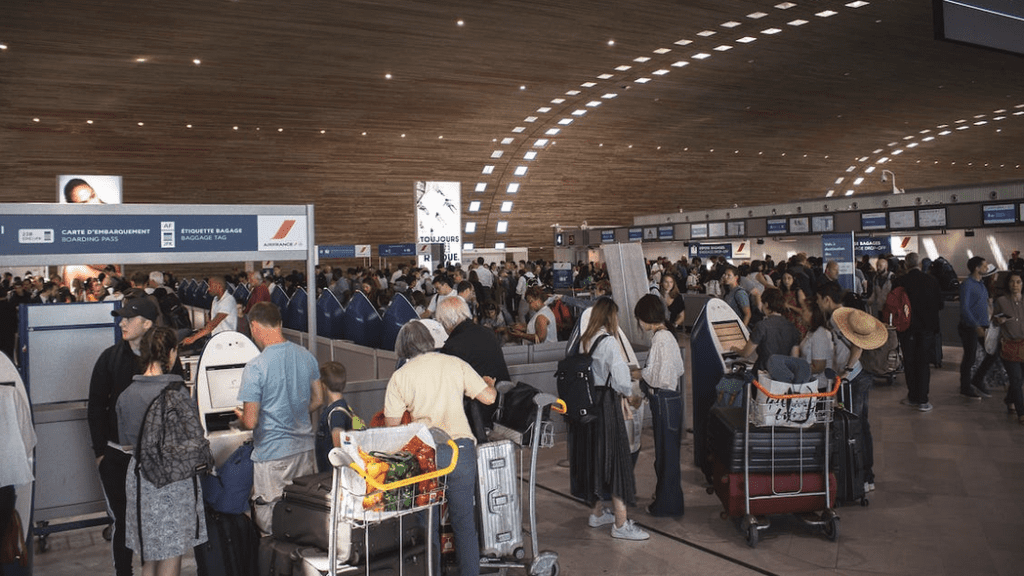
[495, 320]
[337, 416]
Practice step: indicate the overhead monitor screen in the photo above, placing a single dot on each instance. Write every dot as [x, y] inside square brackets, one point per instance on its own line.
[716, 230]
[872, 221]
[799, 225]
[699, 231]
[778, 226]
[736, 229]
[998, 214]
[823, 224]
[901, 219]
[931, 218]
[997, 24]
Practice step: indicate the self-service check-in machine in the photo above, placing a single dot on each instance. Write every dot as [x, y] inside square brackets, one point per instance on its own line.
[218, 378]
[715, 331]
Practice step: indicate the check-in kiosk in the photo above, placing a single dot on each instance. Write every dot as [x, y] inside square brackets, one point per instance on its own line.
[715, 331]
[218, 379]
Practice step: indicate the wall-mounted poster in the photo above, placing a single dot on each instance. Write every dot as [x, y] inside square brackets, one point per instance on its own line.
[820, 224]
[439, 219]
[799, 225]
[931, 218]
[777, 226]
[716, 229]
[736, 229]
[698, 231]
[872, 221]
[901, 219]
[75, 189]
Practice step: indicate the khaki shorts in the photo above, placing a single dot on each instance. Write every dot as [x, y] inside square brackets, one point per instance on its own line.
[269, 479]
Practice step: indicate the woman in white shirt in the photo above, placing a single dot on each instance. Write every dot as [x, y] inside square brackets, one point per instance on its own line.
[661, 384]
[599, 461]
[816, 347]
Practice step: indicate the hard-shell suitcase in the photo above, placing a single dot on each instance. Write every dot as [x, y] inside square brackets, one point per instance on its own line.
[501, 516]
[780, 448]
[847, 457]
[302, 516]
[231, 548]
[729, 486]
[279, 558]
[411, 562]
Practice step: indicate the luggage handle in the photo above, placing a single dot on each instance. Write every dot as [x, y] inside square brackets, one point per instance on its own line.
[835, 390]
[339, 458]
[497, 501]
[559, 406]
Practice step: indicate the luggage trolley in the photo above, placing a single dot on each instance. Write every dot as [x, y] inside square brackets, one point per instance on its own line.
[805, 492]
[539, 435]
[348, 513]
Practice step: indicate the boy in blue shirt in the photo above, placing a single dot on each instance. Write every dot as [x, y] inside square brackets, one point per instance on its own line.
[337, 416]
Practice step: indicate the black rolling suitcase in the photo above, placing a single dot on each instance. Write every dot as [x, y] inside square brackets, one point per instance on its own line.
[279, 558]
[232, 546]
[847, 458]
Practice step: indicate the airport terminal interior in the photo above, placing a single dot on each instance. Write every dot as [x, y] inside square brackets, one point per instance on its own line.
[566, 128]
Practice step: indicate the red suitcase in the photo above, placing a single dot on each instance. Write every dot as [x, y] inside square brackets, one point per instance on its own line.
[730, 489]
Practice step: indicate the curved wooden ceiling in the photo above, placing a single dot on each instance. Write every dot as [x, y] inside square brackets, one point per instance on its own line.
[291, 103]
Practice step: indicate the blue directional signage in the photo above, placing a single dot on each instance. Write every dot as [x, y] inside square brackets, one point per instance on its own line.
[607, 235]
[38, 234]
[388, 250]
[999, 214]
[711, 250]
[871, 245]
[839, 248]
[778, 226]
[337, 251]
[636, 234]
[666, 232]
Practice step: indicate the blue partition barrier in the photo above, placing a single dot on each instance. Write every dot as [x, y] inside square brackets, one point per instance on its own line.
[362, 324]
[241, 294]
[189, 292]
[280, 299]
[295, 314]
[398, 313]
[329, 316]
[202, 295]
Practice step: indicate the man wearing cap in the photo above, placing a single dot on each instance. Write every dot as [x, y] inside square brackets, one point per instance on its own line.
[972, 327]
[918, 341]
[853, 331]
[112, 373]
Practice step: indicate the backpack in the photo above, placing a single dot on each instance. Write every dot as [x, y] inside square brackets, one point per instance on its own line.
[575, 382]
[171, 445]
[897, 309]
[228, 491]
[563, 319]
[173, 311]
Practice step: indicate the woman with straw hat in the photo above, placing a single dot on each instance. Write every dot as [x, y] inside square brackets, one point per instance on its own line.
[853, 331]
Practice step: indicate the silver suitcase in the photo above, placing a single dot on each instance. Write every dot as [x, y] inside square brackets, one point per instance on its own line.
[501, 515]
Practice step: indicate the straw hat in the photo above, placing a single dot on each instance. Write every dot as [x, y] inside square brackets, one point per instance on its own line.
[862, 329]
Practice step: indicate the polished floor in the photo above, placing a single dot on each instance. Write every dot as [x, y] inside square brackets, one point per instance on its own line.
[949, 500]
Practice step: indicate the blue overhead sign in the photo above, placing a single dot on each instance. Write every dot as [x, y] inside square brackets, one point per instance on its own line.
[387, 250]
[838, 248]
[709, 250]
[871, 245]
[666, 232]
[337, 251]
[607, 235]
[636, 234]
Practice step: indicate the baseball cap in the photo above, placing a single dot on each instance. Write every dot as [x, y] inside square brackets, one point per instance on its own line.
[133, 307]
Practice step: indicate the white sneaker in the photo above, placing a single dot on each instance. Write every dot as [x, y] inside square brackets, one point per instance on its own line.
[868, 487]
[629, 531]
[604, 519]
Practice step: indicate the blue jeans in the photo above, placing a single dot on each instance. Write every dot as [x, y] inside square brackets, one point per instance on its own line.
[667, 416]
[860, 387]
[1015, 393]
[461, 494]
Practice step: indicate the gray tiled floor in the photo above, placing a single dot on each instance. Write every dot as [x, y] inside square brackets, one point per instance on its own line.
[948, 502]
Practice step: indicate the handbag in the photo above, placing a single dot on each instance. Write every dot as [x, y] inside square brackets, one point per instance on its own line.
[1013, 350]
[789, 412]
[992, 339]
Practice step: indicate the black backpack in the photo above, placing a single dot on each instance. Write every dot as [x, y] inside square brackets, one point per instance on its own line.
[171, 445]
[576, 383]
[173, 311]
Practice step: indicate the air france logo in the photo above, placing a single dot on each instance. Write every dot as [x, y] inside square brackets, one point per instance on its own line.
[283, 231]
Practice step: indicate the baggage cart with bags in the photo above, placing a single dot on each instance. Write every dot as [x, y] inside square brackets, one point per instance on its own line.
[775, 482]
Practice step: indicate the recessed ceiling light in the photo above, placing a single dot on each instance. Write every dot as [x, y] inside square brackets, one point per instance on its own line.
[797, 22]
[829, 193]
[460, 22]
[496, 154]
[519, 129]
[609, 95]
[756, 15]
[88, 121]
[770, 31]
[701, 56]
[611, 42]
[723, 48]
[565, 121]
[642, 59]
[488, 169]
[623, 68]
[680, 64]
[552, 131]
[481, 187]
[197, 61]
[141, 124]
[364, 133]
[785, 5]
[502, 226]
[520, 171]
[467, 245]
[912, 145]
[851, 168]
[387, 76]
[662, 50]
[522, 87]
[606, 76]
[499, 245]
[558, 101]
[35, 119]
[826, 13]
[530, 119]
[234, 127]
[882, 160]
[839, 180]
[730, 24]
[869, 169]
[508, 140]
[683, 42]
[282, 130]
[849, 192]
[928, 138]
[325, 132]
[857, 4]
[661, 72]
[3, 46]
[706, 33]
[540, 143]
[530, 155]
[188, 126]
[470, 227]
[512, 188]
[746, 40]
[573, 93]
[579, 112]
[644, 80]
[858, 181]
[140, 59]
[593, 103]
[588, 84]
[506, 206]
[544, 109]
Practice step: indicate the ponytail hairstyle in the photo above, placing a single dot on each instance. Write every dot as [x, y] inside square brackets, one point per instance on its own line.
[156, 346]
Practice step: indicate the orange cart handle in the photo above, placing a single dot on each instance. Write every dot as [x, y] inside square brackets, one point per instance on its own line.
[559, 406]
[835, 390]
[414, 479]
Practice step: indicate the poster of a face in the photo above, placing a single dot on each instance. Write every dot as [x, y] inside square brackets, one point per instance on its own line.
[86, 189]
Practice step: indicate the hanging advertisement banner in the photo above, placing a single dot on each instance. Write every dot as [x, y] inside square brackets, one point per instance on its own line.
[838, 248]
[439, 217]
